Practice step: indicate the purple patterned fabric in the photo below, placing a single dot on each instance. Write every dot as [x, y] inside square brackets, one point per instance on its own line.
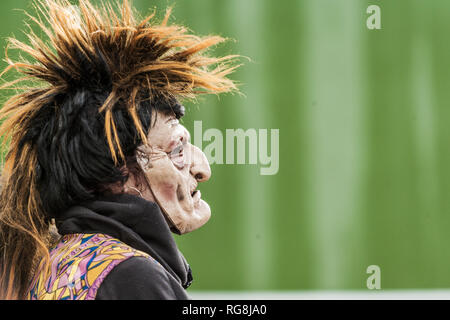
[78, 265]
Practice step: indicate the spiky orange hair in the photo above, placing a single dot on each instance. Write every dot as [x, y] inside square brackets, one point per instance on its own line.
[161, 58]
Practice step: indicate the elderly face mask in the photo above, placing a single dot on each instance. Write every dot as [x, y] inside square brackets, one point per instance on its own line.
[173, 167]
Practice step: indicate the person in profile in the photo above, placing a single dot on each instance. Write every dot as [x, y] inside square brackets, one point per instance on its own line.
[96, 152]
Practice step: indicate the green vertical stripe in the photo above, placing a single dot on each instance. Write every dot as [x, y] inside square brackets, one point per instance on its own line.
[337, 140]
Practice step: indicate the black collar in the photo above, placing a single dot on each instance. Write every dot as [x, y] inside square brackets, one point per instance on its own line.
[133, 220]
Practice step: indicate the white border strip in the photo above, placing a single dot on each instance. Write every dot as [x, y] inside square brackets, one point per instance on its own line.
[323, 295]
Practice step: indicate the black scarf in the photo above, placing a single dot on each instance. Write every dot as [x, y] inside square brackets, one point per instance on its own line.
[133, 220]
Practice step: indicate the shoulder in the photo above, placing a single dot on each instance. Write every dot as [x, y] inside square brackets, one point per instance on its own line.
[140, 278]
[96, 266]
[78, 265]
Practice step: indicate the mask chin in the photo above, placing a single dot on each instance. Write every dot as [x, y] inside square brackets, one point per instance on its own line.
[172, 195]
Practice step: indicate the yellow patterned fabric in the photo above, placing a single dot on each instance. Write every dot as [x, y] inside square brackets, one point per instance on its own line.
[78, 265]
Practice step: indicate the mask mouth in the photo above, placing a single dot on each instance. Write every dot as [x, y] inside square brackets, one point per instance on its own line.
[196, 196]
[194, 190]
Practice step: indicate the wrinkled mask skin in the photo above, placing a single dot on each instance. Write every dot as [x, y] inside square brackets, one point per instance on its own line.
[173, 167]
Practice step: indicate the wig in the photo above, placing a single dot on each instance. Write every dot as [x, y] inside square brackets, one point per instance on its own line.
[82, 105]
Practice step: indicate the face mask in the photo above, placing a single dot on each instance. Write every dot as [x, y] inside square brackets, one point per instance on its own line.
[172, 180]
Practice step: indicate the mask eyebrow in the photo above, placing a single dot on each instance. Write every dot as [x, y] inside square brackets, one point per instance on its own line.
[184, 138]
[172, 118]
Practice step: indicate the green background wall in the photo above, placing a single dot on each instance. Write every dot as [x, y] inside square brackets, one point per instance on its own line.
[364, 120]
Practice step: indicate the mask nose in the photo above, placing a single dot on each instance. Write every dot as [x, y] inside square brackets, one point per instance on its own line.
[200, 168]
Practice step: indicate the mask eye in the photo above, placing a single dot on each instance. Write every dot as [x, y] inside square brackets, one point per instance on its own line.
[178, 157]
[174, 122]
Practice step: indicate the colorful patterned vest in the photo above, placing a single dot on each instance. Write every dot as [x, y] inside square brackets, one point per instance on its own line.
[78, 265]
